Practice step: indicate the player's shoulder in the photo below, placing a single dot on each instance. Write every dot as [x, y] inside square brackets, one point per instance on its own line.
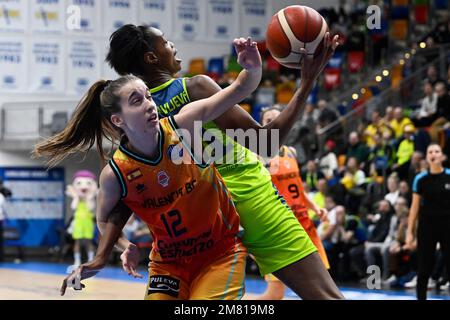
[201, 82]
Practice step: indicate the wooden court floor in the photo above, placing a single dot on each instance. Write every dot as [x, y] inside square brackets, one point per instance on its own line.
[26, 285]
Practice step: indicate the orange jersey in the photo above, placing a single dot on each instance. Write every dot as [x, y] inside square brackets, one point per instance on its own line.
[287, 179]
[186, 206]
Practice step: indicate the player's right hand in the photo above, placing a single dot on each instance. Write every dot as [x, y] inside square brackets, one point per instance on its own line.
[130, 260]
[73, 280]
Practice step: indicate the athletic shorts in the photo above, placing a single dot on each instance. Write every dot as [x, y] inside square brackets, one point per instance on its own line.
[83, 229]
[272, 233]
[312, 232]
[209, 276]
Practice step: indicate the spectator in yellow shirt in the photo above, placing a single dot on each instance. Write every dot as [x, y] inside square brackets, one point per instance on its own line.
[399, 122]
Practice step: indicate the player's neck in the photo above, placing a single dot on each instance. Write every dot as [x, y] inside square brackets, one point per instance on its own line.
[157, 78]
[436, 169]
[145, 144]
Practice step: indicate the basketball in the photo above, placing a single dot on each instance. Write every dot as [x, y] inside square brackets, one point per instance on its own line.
[293, 28]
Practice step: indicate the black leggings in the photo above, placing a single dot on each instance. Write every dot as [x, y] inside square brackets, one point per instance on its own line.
[431, 230]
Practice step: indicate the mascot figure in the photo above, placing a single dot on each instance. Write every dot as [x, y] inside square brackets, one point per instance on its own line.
[83, 192]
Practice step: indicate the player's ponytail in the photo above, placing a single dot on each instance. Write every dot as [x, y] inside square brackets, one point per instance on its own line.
[89, 124]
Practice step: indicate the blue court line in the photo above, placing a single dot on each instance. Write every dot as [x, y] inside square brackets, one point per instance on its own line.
[253, 286]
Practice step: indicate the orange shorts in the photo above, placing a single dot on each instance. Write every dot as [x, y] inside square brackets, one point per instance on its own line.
[312, 233]
[209, 276]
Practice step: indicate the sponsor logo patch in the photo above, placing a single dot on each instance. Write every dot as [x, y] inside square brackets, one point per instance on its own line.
[164, 284]
[133, 175]
[163, 178]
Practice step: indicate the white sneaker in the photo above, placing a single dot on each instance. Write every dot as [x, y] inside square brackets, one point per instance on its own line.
[390, 279]
[431, 283]
[445, 286]
[412, 283]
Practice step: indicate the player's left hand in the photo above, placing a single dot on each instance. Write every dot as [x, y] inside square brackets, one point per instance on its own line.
[248, 53]
[311, 67]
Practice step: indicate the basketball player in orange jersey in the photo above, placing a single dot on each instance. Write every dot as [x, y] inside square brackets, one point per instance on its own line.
[287, 179]
[272, 234]
[196, 253]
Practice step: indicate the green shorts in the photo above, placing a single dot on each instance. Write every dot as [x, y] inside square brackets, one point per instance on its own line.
[272, 233]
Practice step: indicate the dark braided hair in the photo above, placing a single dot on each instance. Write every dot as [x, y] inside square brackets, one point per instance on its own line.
[127, 47]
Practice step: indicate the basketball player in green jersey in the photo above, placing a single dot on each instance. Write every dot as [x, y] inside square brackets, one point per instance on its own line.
[272, 234]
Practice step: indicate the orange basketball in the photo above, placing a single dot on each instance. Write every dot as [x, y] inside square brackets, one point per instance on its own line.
[292, 28]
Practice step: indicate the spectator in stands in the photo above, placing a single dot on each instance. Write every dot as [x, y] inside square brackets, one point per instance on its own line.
[433, 75]
[318, 198]
[394, 189]
[306, 136]
[356, 148]
[312, 175]
[326, 114]
[441, 33]
[2, 218]
[428, 107]
[381, 154]
[401, 258]
[378, 124]
[389, 114]
[405, 191]
[326, 117]
[399, 122]
[443, 111]
[332, 232]
[380, 223]
[4, 194]
[328, 164]
[354, 181]
[404, 153]
[414, 167]
[448, 79]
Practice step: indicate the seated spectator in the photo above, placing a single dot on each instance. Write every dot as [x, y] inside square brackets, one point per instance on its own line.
[399, 122]
[312, 175]
[433, 75]
[328, 164]
[428, 107]
[404, 152]
[375, 189]
[353, 180]
[378, 125]
[394, 189]
[356, 148]
[443, 112]
[378, 231]
[389, 114]
[332, 232]
[405, 192]
[326, 114]
[381, 155]
[401, 258]
[318, 198]
[414, 167]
